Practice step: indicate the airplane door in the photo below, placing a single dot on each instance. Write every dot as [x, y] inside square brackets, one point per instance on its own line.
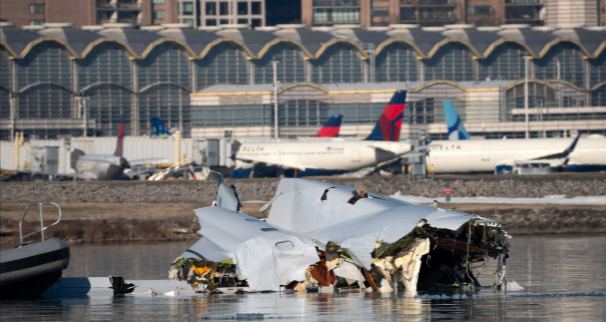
[486, 151]
[355, 154]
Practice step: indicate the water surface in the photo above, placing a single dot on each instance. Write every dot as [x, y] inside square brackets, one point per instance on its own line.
[574, 266]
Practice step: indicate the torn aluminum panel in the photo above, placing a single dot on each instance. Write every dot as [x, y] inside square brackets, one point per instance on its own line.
[363, 240]
[264, 255]
[307, 205]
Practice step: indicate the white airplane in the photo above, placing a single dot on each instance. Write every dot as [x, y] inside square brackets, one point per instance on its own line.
[327, 157]
[457, 156]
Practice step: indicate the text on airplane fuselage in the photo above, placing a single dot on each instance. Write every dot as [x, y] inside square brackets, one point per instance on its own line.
[251, 149]
[445, 147]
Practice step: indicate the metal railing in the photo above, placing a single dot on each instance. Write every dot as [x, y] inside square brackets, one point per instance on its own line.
[40, 204]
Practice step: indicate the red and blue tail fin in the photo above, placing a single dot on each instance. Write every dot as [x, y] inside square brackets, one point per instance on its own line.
[390, 123]
[120, 144]
[331, 127]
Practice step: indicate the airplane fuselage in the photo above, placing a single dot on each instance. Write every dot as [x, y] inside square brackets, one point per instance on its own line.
[322, 156]
[100, 167]
[485, 155]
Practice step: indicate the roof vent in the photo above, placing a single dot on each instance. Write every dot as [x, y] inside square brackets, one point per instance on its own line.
[236, 26]
[545, 28]
[119, 25]
[383, 28]
[7, 24]
[93, 28]
[33, 27]
[292, 26]
[177, 25]
[267, 28]
[489, 28]
[516, 26]
[59, 25]
[348, 26]
[434, 28]
[405, 26]
[460, 26]
[596, 28]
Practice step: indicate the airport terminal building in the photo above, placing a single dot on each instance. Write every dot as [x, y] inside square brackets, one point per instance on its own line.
[56, 80]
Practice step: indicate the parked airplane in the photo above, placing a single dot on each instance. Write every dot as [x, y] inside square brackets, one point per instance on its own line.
[104, 166]
[158, 127]
[456, 129]
[331, 127]
[327, 157]
[572, 154]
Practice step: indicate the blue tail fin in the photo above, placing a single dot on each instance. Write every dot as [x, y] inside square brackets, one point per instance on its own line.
[456, 129]
[389, 125]
[331, 127]
[158, 127]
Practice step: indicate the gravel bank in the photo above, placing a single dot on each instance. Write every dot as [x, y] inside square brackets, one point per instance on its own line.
[197, 191]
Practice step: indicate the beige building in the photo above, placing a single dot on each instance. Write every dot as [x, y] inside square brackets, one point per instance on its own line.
[572, 12]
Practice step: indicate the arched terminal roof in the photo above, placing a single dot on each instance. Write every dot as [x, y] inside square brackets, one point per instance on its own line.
[139, 41]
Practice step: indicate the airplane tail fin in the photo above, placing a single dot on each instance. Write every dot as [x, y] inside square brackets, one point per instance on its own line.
[456, 129]
[390, 123]
[120, 144]
[331, 127]
[158, 127]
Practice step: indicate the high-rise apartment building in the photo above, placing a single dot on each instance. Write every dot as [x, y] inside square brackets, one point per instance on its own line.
[444, 12]
[568, 12]
[88, 12]
[209, 13]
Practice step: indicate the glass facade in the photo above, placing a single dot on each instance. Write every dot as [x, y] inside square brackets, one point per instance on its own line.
[48, 80]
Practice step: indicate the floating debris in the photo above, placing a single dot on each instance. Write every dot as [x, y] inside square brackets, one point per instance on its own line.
[321, 237]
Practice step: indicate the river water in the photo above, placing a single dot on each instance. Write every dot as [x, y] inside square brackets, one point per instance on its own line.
[573, 266]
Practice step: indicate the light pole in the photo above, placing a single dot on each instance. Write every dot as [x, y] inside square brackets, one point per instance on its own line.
[526, 60]
[274, 63]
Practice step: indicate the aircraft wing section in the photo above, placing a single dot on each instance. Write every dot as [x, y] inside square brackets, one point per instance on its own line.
[265, 256]
[147, 161]
[563, 154]
[553, 160]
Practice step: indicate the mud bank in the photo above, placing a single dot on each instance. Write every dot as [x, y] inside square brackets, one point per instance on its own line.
[264, 189]
[174, 222]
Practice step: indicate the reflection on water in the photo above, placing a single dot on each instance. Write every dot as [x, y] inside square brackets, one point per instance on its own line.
[545, 265]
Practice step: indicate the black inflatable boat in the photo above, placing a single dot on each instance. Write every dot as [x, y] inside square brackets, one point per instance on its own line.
[30, 269]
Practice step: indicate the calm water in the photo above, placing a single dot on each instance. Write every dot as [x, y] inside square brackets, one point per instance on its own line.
[544, 265]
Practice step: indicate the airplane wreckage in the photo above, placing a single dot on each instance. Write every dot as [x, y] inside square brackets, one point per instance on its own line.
[321, 237]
